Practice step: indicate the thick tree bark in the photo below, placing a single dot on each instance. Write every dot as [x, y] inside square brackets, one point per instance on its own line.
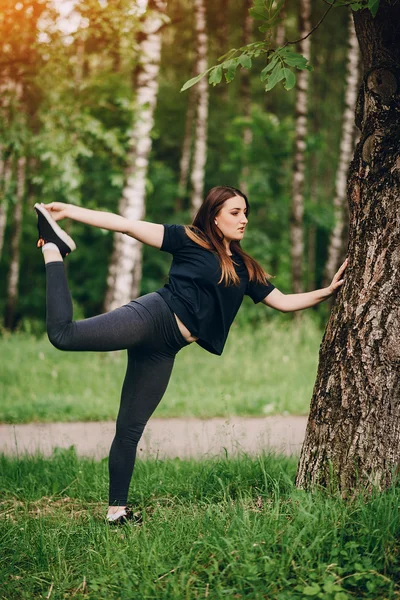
[126, 253]
[246, 95]
[13, 274]
[335, 248]
[353, 432]
[200, 144]
[296, 221]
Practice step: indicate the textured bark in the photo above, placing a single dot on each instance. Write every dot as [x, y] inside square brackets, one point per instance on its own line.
[335, 249]
[353, 432]
[126, 251]
[296, 221]
[200, 144]
[246, 95]
[13, 273]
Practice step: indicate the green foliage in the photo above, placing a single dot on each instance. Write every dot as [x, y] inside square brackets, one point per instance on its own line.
[372, 5]
[74, 120]
[274, 71]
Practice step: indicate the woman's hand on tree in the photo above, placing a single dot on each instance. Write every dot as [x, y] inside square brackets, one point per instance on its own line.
[337, 280]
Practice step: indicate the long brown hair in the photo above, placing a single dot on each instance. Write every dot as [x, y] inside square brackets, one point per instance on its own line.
[204, 232]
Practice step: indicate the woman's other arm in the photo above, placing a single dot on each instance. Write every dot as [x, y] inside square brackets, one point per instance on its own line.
[293, 302]
[148, 233]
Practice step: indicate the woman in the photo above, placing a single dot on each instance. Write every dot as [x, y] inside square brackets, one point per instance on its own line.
[209, 276]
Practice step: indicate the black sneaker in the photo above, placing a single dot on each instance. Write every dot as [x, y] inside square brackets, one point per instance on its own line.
[50, 231]
[128, 516]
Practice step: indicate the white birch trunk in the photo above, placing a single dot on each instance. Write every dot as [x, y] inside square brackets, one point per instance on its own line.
[200, 145]
[5, 176]
[296, 229]
[184, 164]
[336, 242]
[126, 253]
[280, 34]
[13, 274]
[246, 94]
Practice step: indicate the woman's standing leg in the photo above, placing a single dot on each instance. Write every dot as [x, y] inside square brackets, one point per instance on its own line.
[146, 380]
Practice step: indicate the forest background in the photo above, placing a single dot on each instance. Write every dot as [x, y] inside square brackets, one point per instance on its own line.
[67, 112]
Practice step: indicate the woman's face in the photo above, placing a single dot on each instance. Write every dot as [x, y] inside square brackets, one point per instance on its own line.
[231, 219]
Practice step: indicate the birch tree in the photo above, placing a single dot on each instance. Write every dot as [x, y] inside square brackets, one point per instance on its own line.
[336, 242]
[200, 143]
[14, 268]
[184, 163]
[246, 94]
[127, 251]
[297, 211]
[5, 176]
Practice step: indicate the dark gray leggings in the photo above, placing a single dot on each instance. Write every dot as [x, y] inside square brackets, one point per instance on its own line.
[148, 330]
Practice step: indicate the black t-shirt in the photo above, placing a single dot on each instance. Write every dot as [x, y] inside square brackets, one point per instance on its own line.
[204, 306]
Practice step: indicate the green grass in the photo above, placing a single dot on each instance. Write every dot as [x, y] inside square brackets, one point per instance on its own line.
[267, 370]
[221, 528]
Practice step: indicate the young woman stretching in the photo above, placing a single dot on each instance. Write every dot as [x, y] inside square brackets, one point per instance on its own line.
[209, 276]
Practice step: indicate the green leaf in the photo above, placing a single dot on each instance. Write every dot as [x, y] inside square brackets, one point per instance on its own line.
[268, 68]
[341, 596]
[245, 61]
[312, 590]
[194, 80]
[373, 6]
[276, 76]
[290, 79]
[215, 75]
[293, 59]
[230, 66]
[331, 586]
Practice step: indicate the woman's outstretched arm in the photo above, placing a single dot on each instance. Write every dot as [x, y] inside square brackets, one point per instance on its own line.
[292, 302]
[148, 233]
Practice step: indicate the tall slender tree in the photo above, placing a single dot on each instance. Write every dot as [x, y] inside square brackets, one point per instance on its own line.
[246, 95]
[200, 142]
[5, 176]
[128, 251]
[184, 163]
[14, 268]
[336, 242]
[297, 211]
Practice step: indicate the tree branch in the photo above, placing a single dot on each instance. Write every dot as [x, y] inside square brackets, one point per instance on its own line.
[331, 5]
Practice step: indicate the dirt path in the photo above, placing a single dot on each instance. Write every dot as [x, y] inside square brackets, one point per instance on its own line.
[181, 438]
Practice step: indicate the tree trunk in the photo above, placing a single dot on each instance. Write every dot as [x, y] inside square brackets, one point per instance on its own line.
[296, 225]
[353, 432]
[346, 148]
[5, 176]
[200, 144]
[13, 274]
[280, 33]
[184, 165]
[246, 95]
[126, 251]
